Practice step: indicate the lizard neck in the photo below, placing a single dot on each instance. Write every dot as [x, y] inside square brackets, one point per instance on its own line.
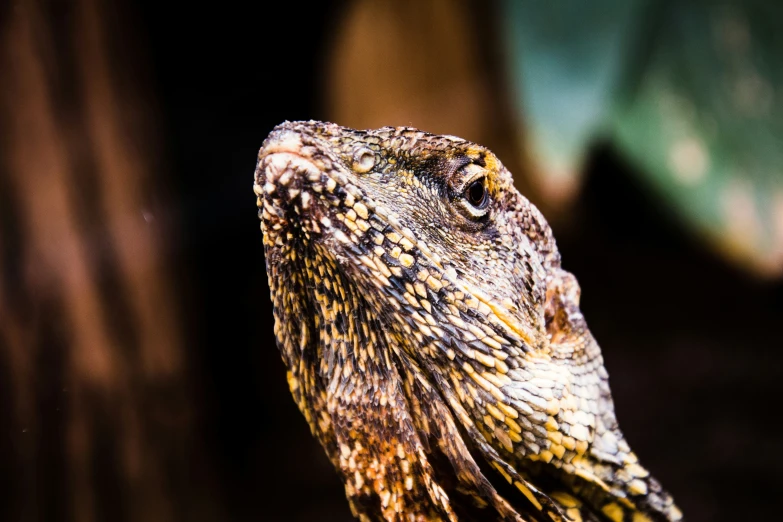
[380, 452]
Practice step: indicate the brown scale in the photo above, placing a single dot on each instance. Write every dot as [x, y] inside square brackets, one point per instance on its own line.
[433, 342]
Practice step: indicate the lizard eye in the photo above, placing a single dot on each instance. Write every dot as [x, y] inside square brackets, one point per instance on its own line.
[476, 194]
[471, 192]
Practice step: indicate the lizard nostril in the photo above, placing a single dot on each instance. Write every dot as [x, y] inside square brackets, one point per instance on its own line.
[363, 160]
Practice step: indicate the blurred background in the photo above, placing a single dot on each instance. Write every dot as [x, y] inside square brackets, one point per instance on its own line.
[139, 379]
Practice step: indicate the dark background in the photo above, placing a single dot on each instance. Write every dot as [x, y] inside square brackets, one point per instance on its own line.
[692, 344]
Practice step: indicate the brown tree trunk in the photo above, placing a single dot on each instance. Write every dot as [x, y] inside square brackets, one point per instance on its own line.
[95, 412]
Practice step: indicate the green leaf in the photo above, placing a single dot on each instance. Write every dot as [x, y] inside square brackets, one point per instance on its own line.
[691, 91]
[566, 62]
[705, 123]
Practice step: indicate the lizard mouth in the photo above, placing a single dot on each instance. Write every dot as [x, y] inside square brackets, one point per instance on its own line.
[279, 179]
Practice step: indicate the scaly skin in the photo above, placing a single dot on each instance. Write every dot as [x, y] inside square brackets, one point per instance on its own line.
[433, 342]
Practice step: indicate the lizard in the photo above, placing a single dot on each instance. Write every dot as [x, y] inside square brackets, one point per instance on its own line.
[432, 340]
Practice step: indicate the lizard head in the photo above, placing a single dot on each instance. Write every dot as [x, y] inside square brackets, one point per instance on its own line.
[424, 205]
[397, 256]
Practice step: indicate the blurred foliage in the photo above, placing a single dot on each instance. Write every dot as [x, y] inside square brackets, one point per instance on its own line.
[690, 91]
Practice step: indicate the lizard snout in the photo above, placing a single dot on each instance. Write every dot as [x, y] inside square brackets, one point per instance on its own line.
[286, 186]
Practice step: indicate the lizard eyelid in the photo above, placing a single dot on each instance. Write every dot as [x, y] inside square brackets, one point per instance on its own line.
[473, 194]
[471, 172]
